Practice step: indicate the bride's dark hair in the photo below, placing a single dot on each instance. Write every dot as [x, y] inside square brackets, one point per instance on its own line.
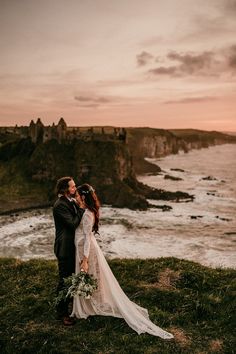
[91, 201]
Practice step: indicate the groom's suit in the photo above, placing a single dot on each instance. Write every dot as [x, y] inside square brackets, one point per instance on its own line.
[67, 216]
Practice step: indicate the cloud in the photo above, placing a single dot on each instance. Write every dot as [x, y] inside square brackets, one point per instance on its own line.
[91, 100]
[226, 6]
[95, 101]
[192, 63]
[171, 70]
[215, 24]
[205, 28]
[232, 57]
[144, 58]
[187, 100]
[205, 64]
[188, 64]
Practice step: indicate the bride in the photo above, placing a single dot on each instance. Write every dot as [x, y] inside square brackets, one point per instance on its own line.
[109, 299]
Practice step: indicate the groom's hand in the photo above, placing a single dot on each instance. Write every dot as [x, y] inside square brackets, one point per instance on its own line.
[78, 200]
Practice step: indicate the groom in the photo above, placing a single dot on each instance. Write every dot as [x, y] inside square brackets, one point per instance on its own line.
[67, 216]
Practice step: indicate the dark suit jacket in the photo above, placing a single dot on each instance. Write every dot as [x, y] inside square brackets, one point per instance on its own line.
[67, 216]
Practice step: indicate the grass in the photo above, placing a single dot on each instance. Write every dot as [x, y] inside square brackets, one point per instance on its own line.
[193, 302]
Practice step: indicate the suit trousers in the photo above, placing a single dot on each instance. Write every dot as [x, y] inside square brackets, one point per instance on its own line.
[66, 266]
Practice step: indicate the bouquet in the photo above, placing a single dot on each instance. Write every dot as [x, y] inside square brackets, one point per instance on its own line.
[81, 284]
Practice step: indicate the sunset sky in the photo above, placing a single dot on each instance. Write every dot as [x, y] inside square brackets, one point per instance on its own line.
[157, 63]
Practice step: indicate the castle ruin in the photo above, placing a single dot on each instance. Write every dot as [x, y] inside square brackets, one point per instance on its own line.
[39, 133]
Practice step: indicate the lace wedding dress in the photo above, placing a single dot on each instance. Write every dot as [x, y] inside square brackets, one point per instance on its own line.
[109, 299]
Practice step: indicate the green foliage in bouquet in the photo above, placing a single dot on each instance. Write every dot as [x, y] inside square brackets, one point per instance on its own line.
[81, 284]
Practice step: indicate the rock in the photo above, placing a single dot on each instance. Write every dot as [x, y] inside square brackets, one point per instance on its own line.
[173, 178]
[159, 194]
[163, 207]
[223, 219]
[177, 169]
[123, 196]
[209, 178]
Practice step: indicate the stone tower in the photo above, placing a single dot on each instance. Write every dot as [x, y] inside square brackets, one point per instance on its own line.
[61, 129]
[32, 131]
[39, 131]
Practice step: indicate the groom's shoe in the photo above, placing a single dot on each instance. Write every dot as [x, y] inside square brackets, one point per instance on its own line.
[68, 321]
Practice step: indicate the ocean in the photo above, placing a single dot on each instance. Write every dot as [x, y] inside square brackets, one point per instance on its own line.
[203, 230]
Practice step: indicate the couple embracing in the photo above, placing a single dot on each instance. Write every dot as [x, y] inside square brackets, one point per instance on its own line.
[76, 217]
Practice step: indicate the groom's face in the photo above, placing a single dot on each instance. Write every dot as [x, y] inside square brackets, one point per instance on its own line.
[71, 188]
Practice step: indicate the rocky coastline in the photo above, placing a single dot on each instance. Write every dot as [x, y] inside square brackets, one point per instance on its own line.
[29, 170]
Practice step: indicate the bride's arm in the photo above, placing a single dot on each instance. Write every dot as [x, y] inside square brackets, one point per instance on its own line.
[87, 226]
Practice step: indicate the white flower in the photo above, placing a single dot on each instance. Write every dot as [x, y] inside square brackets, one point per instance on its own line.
[81, 284]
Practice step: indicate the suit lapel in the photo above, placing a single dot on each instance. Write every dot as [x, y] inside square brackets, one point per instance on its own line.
[70, 204]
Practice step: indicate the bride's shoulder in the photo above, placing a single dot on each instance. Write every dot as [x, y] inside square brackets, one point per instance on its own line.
[88, 213]
[88, 218]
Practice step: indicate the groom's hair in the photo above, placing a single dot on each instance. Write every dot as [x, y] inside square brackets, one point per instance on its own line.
[63, 185]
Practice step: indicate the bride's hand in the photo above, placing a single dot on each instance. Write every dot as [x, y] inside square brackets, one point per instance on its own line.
[84, 265]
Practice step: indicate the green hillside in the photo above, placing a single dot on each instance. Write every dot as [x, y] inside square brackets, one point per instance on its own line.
[193, 302]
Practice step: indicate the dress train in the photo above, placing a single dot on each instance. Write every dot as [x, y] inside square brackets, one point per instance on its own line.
[109, 299]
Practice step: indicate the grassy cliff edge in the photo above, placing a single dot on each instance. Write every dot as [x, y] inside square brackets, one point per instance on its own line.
[193, 302]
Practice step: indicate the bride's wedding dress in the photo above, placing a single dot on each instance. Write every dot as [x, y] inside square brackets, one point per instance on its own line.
[109, 299]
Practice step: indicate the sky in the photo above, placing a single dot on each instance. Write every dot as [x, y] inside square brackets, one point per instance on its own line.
[154, 63]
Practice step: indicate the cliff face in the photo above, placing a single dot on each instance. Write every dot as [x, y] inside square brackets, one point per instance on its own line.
[30, 172]
[197, 139]
[159, 145]
[154, 143]
[153, 146]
